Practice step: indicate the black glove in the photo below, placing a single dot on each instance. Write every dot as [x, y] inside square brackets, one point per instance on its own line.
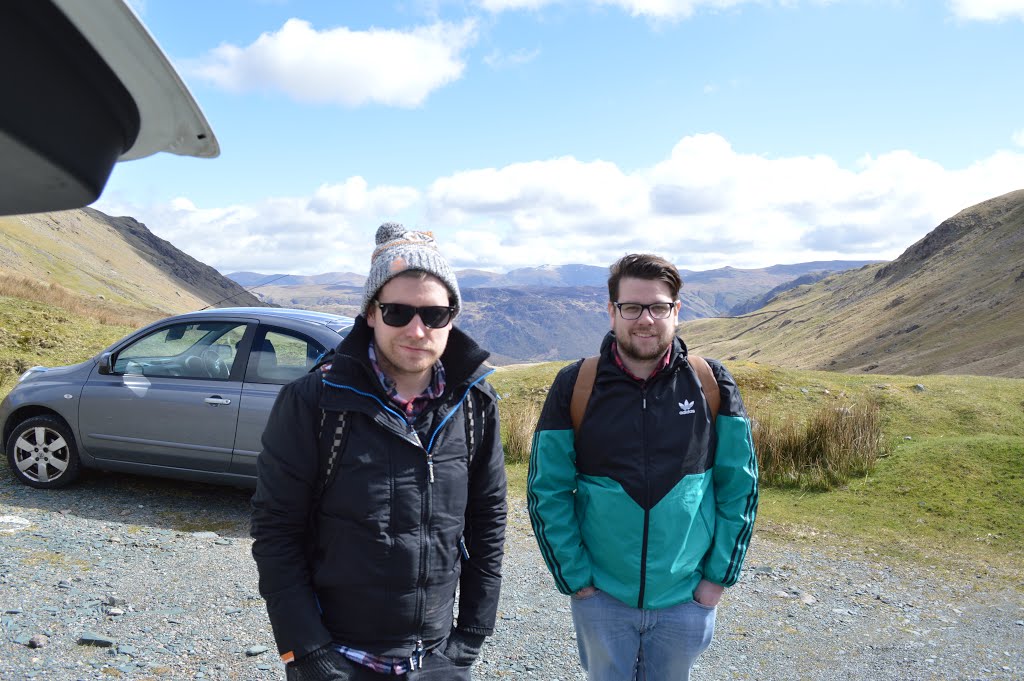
[462, 647]
[323, 664]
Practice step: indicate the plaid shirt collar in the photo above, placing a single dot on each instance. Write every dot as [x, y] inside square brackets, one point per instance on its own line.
[411, 408]
[619, 363]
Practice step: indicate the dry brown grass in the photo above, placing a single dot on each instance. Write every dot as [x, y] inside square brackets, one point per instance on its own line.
[833, 446]
[98, 309]
[518, 419]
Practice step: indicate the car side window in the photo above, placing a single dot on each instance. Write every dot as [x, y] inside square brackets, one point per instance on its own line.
[279, 356]
[186, 350]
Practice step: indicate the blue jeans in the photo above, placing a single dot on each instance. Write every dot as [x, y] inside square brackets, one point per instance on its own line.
[621, 643]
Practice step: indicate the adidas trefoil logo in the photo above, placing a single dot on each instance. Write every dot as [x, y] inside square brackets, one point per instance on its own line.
[685, 407]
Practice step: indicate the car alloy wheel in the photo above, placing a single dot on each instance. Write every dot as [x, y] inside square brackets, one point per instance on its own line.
[42, 453]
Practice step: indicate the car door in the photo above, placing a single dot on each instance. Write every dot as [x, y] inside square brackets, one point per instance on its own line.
[278, 356]
[171, 398]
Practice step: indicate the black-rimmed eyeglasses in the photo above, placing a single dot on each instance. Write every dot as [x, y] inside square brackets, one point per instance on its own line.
[634, 310]
[400, 314]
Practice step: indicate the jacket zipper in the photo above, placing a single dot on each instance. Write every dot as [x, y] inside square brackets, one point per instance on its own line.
[416, 661]
[647, 495]
[424, 548]
[428, 509]
[424, 533]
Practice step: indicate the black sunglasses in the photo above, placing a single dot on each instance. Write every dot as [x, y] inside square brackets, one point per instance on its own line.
[399, 314]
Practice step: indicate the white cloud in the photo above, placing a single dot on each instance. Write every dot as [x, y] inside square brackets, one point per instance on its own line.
[974, 10]
[671, 9]
[353, 196]
[987, 10]
[503, 5]
[332, 230]
[502, 60]
[656, 9]
[705, 205]
[342, 66]
[1018, 138]
[182, 203]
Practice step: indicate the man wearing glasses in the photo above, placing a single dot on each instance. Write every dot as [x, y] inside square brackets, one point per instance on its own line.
[381, 488]
[643, 511]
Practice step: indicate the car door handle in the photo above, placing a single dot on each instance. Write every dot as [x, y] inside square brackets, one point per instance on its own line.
[216, 400]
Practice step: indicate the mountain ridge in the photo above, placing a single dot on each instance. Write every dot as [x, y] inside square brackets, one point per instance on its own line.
[114, 258]
[953, 302]
[552, 276]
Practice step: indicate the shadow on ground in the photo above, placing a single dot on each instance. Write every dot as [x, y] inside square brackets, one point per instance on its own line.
[137, 500]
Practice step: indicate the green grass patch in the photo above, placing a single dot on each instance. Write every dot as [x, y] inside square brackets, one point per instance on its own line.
[36, 333]
[953, 501]
[517, 473]
[525, 382]
[522, 388]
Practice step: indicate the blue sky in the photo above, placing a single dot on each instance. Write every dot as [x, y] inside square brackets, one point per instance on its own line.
[530, 132]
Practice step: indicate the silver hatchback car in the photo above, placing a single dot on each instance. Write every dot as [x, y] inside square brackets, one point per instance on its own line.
[185, 397]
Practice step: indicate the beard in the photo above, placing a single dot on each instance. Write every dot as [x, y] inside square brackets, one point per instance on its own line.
[395, 361]
[646, 349]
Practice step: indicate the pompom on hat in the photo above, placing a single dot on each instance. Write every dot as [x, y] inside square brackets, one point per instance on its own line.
[399, 250]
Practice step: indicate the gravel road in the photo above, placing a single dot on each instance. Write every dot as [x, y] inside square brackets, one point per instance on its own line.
[122, 577]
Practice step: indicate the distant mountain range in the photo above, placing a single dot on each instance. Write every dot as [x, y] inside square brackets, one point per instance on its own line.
[255, 279]
[541, 313]
[569, 276]
[951, 303]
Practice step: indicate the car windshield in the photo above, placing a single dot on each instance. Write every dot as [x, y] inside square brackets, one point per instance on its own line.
[180, 339]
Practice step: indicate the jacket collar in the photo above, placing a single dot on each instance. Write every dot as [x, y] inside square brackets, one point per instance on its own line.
[462, 357]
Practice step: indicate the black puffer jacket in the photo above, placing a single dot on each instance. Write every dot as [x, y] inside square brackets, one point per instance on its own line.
[386, 558]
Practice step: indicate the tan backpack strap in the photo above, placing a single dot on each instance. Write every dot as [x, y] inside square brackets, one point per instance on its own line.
[581, 391]
[707, 383]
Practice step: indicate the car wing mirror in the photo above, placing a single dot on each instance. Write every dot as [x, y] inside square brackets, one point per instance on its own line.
[104, 365]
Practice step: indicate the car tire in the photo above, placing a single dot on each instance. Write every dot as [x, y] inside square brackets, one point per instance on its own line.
[42, 453]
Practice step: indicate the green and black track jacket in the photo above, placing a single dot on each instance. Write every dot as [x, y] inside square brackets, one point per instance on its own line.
[649, 497]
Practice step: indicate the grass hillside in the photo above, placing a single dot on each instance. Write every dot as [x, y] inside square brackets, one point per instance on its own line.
[112, 259]
[949, 493]
[953, 303]
[54, 330]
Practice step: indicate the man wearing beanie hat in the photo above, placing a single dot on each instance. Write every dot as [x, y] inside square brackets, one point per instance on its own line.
[381, 488]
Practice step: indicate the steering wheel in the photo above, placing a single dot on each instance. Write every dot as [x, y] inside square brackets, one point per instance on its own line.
[194, 365]
[215, 366]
